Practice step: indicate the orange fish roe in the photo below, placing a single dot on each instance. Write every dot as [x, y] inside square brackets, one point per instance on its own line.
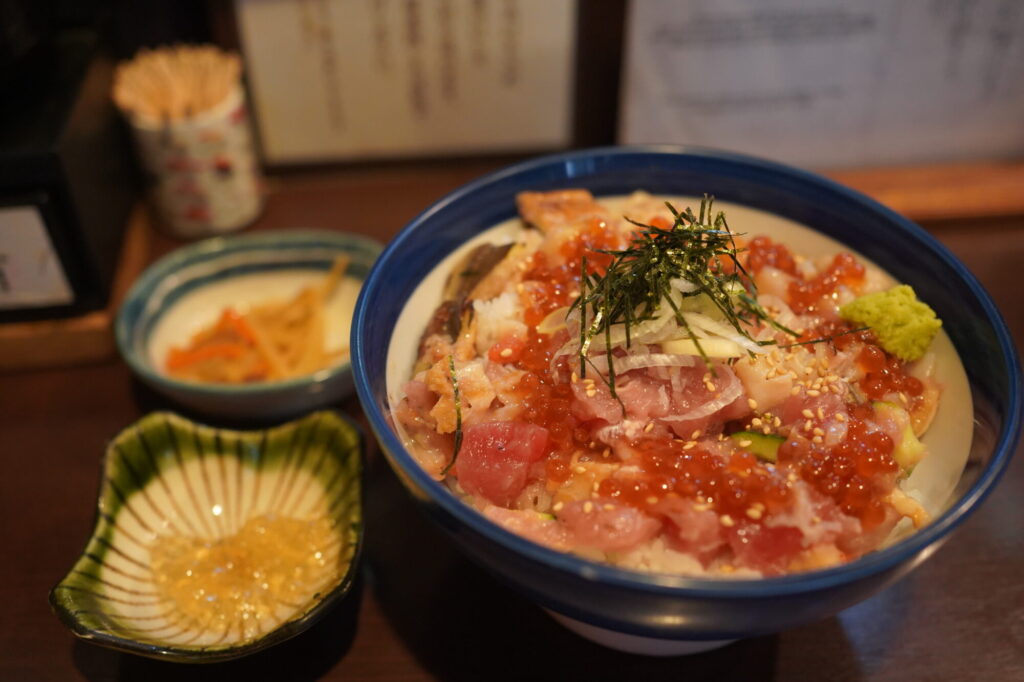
[730, 485]
[804, 295]
[844, 270]
[858, 472]
[885, 374]
[763, 251]
[548, 286]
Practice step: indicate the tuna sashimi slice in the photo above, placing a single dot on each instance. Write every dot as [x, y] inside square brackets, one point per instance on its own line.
[495, 458]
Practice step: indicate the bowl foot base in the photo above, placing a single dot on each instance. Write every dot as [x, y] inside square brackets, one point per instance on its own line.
[635, 644]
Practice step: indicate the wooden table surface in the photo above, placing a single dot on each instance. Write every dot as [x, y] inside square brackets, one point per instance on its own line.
[422, 611]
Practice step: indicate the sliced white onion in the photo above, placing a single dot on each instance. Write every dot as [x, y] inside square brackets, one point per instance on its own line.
[713, 348]
[642, 360]
[715, 328]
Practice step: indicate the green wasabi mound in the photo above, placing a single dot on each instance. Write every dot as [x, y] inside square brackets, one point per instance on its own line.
[904, 325]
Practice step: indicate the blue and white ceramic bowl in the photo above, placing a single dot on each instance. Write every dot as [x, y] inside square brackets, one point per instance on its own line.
[668, 614]
[189, 288]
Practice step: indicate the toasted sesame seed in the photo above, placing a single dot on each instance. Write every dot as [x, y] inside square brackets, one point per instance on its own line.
[752, 403]
[557, 507]
[756, 422]
[690, 444]
[580, 470]
[746, 443]
[821, 413]
[575, 377]
[609, 507]
[840, 417]
[701, 507]
[794, 391]
[506, 353]
[652, 500]
[808, 425]
[591, 393]
[807, 413]
[726, 521]
[814, 393]
[607, 452]
[818, 431]
[650, 425]
[791, 477]
[588, 507]
[817, 439]
[754, 513]
[695, 435]
[766, 430]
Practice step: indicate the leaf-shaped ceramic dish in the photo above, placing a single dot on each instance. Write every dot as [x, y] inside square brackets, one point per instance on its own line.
[174, 491]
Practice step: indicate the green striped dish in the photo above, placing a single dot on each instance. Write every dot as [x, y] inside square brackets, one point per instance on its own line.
[168, 476]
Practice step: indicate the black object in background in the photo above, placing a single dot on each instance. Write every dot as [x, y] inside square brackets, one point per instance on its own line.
[64, 154]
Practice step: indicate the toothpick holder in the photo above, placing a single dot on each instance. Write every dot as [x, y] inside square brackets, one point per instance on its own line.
[202, 169]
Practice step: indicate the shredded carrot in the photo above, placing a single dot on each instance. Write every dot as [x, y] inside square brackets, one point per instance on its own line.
[179, 358]
[272, 340]
[233, 320]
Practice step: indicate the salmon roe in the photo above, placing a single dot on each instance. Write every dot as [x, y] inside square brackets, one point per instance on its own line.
[732, 485]
[884, 374]
[844, 270]
[857, 473]
[762, 251]
[546, 402]
[547, 285]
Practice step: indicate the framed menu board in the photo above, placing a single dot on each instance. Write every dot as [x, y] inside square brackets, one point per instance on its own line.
[828, 83]
[335, 80]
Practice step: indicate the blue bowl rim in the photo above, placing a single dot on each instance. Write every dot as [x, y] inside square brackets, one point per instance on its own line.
[678, 586]
[185, 255]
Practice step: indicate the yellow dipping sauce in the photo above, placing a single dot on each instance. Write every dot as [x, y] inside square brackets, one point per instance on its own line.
[247, 583]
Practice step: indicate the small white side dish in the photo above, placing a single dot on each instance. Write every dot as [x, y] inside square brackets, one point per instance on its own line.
[191, 287]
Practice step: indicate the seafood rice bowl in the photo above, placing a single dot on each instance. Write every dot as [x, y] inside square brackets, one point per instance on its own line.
[683, 396]
[644, 385]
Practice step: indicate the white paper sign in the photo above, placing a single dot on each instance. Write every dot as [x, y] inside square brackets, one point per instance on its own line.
[828, 82]
[347, 79]
[30, 272]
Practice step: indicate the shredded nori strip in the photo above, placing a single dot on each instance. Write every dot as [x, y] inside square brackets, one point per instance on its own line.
[638, 280]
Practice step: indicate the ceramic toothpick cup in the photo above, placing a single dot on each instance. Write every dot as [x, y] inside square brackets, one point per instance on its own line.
[203, 171]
